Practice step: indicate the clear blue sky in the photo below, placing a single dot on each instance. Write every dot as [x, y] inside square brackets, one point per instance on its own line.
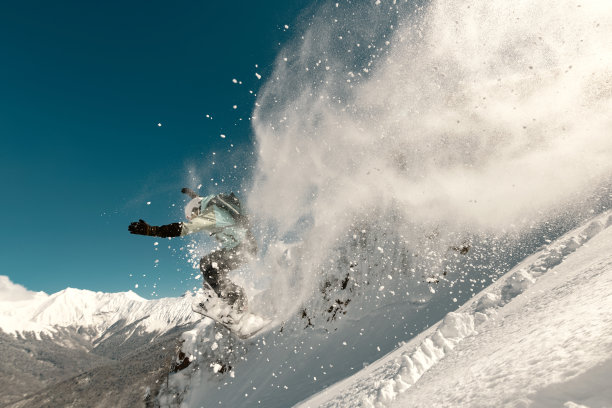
[83, 86]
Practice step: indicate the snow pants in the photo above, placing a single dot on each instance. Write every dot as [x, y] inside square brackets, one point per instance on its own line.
[215, 268]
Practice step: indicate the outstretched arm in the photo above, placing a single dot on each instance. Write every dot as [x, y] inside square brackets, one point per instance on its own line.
[163, 231]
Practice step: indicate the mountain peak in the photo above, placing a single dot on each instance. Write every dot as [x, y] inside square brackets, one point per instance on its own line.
[76, 308]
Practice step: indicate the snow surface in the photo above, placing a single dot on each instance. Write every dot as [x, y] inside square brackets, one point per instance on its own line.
[540, 336]
[27, 311]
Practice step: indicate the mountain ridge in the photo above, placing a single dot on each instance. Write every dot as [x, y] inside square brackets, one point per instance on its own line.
[82, 308]
[66, 347]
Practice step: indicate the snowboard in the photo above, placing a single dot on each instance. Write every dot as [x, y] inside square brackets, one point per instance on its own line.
[243, 324]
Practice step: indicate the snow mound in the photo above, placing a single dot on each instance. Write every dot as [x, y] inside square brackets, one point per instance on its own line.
[383, 383]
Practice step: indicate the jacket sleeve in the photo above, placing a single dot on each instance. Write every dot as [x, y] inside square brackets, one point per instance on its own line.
[204, 222]
[166, 231]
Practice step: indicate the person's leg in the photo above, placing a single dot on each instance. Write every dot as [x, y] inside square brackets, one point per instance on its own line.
[215, 267]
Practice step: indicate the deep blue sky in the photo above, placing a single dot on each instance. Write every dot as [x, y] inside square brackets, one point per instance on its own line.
[83, 86]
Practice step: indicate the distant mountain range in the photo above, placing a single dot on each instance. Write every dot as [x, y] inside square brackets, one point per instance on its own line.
[83, 348]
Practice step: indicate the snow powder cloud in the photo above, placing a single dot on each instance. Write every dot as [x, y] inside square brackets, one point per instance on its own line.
[460, 115]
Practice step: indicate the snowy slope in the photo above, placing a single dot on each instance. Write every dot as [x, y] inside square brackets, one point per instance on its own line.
[541, 335]
[360, 312]
[40, 313]
[369, 302]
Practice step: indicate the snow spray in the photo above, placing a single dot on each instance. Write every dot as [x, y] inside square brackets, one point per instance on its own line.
[428, 122]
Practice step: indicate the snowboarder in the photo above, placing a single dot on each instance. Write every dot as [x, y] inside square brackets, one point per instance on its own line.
[221, 217]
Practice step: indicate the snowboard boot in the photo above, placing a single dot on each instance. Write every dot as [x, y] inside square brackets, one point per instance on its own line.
[234, 296]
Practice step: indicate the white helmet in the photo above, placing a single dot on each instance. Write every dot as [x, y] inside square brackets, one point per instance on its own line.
[192, 209]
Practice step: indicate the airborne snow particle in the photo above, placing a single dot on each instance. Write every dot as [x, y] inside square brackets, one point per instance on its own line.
[257, 75]
[235, 80]
[148, 203]
[159, 124]
[235, 106]
[286, 27]
[136, 286]
[222, 136]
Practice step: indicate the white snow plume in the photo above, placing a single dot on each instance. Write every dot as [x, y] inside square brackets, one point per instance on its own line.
[447, 118]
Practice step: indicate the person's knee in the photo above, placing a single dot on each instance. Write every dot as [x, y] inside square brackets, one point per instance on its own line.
[210, 271]
[209, 262]
[204, 263]
[212, 278]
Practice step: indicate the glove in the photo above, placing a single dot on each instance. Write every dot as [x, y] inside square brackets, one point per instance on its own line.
[140, 228]
[164, 231]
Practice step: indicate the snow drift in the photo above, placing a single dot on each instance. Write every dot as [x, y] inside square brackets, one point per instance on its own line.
[527, 339]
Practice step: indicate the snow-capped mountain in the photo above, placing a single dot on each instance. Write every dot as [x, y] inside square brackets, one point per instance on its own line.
[47, 340]
[41, 313]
